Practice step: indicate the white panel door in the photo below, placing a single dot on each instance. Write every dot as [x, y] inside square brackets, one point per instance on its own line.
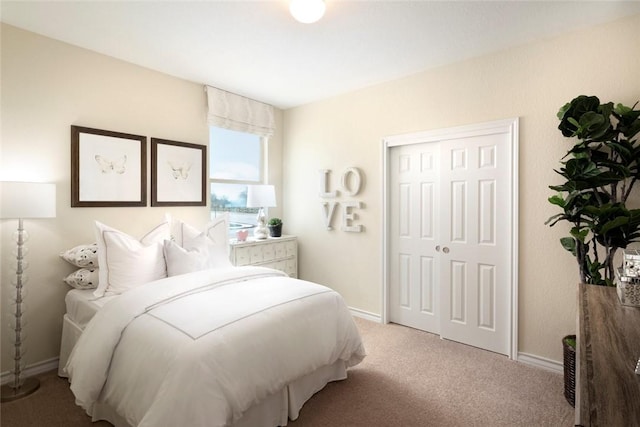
[415, 230]
[450, 246]
[476, 224]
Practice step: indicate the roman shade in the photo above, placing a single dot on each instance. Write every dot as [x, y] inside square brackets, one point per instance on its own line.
[231, 111]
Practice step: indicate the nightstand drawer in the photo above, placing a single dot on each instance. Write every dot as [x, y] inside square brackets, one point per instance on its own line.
[289, 266]
[291, 248]
[269, 252]
[242, 256]
[257, 254]
[280, 250]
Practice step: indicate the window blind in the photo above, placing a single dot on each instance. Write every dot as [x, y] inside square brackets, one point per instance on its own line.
[231, 111]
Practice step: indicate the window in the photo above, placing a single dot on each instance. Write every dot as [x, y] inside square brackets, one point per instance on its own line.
[236, 159]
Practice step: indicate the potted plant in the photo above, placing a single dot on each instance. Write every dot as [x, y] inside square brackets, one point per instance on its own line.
[275, 227]
[599, 172]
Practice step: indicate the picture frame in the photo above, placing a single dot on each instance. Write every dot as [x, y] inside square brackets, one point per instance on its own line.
[108, 169]
[178, 173]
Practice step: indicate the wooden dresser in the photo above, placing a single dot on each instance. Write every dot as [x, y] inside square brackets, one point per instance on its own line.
[607, 389]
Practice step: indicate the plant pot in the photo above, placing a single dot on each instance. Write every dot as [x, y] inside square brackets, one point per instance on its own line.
[275, 230]
[569, 359]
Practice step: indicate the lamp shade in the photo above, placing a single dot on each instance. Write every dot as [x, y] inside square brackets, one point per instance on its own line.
[27, 200]
[261, 196]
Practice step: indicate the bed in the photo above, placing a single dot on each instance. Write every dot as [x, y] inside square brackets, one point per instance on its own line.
[222, 346]
[81, 305]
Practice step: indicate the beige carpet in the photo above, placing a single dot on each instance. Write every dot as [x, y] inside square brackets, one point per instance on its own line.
[409, 378]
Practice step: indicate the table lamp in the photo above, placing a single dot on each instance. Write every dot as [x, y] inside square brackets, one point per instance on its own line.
[261, 196]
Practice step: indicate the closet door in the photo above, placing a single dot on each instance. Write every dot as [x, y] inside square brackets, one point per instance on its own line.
[476, 235]
[450, 235]
[415, 234]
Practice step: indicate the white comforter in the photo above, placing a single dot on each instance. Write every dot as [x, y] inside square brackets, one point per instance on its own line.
[201, 348]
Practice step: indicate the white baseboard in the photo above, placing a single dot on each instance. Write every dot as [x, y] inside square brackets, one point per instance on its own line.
[32, 370]
[541, 362]
[365, 315]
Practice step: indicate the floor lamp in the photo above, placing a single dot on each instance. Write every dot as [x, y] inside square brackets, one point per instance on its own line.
[261, 196]
[20, 200]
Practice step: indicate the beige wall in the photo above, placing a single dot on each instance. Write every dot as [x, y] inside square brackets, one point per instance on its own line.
[530, 82]
[46, 87]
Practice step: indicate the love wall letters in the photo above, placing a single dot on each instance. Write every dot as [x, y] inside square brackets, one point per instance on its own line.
[351, 184]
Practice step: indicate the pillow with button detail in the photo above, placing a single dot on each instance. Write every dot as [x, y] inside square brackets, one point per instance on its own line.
[193, 250]
[82, 255]
[83, 278]
[127, 262]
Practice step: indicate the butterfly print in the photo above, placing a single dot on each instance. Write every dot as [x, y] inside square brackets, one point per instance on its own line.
[180, 170]
[108, 166]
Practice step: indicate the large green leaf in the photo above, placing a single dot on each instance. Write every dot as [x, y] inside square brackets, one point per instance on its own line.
[570, 113]
[569, 243]
[592, 125]
[557, 200]
[629, 120]
[615, 223]
[594, 274]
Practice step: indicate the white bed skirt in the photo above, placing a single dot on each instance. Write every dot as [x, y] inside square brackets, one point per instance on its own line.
[70, 334]
[273, 411]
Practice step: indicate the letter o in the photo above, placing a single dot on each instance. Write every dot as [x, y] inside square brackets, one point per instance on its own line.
[357, 181]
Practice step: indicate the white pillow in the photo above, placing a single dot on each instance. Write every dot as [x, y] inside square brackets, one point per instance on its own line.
[82, 255]
[181, 261]
[84, 278]
[218, 231]
[217, 238]
[126, 262]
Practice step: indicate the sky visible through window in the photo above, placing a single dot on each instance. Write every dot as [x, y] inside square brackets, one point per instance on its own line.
[234, 156]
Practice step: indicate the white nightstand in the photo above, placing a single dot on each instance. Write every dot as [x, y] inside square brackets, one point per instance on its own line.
[280, 253]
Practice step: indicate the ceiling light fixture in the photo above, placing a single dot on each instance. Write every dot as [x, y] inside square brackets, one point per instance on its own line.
[307, 11]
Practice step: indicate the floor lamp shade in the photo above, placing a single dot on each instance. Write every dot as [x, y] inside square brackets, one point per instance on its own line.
[27, 200]
[19, 200]
[261, 196]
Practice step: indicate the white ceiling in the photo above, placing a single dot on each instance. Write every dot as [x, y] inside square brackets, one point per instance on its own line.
[255, 48]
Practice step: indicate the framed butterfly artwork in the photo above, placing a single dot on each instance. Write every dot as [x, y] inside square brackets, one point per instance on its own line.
[108, 169]
[178, 173]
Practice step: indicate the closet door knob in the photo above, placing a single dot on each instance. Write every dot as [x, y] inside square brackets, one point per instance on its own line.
[438, 248]
[445, 250]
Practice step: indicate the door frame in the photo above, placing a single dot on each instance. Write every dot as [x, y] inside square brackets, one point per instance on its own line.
[510, 126]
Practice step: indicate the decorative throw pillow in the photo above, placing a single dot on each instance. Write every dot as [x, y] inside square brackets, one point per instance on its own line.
[218, 231]
[215, 234]
[84, 278]
[126, 262]
[82, 255]
[182, 261]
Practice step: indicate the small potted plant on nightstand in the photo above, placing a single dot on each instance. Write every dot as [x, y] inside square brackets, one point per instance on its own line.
[275, 227]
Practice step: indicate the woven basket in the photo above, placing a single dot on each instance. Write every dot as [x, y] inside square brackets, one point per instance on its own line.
[569, 359]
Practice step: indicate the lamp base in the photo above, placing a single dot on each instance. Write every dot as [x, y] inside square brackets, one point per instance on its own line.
[260, 232]
[9, 393]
